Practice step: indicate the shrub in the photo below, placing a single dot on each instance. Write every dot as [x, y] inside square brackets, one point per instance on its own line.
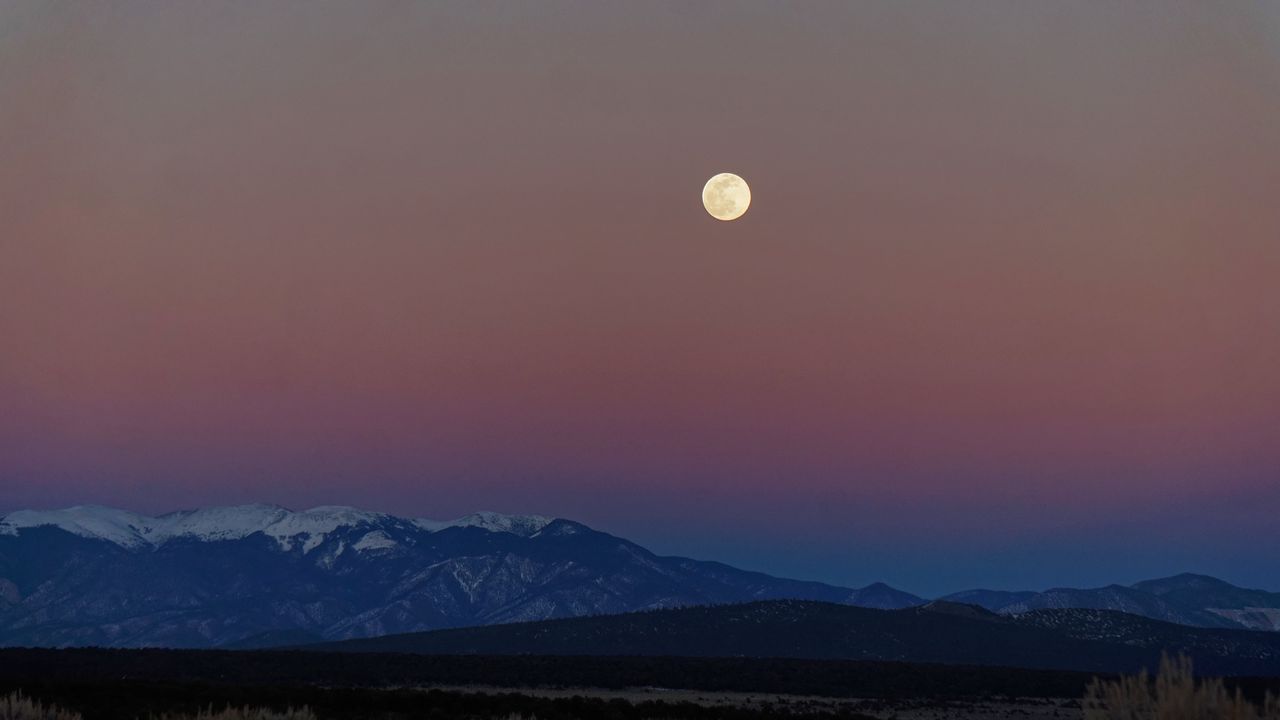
[17, 706]
[1174, 694]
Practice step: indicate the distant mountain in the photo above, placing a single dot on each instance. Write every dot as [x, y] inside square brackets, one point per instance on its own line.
[261, 575]
[940, 632]
[1187, 599]
[994, 600]
[1254, 609]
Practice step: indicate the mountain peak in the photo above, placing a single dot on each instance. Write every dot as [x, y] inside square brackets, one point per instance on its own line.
[522, 525]
[215, 523]
[947, 607]
[1182, 581]
[93, 521]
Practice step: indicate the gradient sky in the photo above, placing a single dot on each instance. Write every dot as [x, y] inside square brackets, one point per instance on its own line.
[1005, 310]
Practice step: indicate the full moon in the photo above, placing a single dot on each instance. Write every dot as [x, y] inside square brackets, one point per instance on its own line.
[726, 196]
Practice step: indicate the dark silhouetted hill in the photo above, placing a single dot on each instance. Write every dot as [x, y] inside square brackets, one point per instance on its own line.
[940, 632]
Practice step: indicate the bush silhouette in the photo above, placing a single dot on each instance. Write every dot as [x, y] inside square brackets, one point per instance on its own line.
[1174, 694]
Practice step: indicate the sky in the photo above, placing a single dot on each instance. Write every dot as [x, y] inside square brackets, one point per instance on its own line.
[1004, 312]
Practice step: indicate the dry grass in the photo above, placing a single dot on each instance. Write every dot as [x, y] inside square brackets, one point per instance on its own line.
[246, 713]
[1174, 694]
[17, 706]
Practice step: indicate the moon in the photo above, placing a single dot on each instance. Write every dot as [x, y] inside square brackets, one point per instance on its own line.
[726, 196]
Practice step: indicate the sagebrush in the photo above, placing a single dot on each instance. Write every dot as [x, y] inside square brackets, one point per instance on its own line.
[1174, 694]
[17, 706]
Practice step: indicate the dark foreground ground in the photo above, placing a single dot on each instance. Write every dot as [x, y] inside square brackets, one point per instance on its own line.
[129, 684]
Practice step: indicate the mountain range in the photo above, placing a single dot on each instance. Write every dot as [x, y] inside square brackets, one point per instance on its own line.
[1186, 599]
[262, 575]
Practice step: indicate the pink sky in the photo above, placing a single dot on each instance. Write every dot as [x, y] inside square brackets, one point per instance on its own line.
[1005, 309]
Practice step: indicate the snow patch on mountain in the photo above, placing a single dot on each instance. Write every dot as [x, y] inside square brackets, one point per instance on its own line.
[306, 530]
[218, 523]
[1254, 618]
[117, 526]
[522, 525]
[312, 526]
[376, 540]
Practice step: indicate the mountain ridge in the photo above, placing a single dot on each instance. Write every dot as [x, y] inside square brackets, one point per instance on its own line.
[1185, 599]
[218, 576]
[1088, 640]
[129, 529]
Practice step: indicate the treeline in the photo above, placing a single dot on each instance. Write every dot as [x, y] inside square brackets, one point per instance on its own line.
[826, 678]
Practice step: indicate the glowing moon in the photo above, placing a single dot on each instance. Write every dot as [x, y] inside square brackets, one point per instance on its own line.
[726, 196]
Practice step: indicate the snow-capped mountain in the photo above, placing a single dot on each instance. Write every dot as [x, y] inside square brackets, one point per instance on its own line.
[309, 527]
[522, 525]
[219, 576]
